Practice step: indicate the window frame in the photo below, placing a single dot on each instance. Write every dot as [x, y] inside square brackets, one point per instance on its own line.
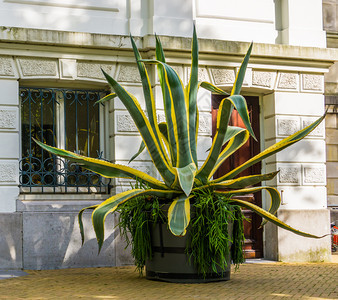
[60, 132]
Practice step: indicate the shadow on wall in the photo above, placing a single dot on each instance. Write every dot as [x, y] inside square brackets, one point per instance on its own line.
[11, 241]
[91, 16]
[49, 16]
[304, 249]
[53, 241]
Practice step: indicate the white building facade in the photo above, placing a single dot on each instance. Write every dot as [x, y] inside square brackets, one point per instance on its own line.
[51, 53]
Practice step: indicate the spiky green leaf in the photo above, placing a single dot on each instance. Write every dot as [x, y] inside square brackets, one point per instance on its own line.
[81, 222]
[240, 182]
[145, 129]
[164, 130]
[234, 144]
[167, 104]
[212, 88]
[104, 168]
[179, 115]
[239, 103]
[272, 150]
[139, 151]
[106, 98]
[273, 219]
[223, 117]
[186, 176]
[236, 89]
[164, 133]
[108, 206]
[274, 195]
[148, 96]
[230, 133]
[159, 53]
[191, 91]
[179, 215]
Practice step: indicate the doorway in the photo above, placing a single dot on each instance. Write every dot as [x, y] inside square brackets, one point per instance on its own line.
[253, 234]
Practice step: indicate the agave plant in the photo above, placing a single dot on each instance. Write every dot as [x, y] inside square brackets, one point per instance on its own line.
[172, 146]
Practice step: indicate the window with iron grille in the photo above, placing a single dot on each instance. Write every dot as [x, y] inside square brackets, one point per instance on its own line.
[63, 118]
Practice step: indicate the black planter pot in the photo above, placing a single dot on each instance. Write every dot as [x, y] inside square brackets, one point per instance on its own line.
[171, 263]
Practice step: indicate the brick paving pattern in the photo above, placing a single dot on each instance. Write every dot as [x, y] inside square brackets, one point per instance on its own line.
[251, 281]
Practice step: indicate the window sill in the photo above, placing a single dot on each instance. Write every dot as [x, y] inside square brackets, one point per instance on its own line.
[63, 190]
[70, 203]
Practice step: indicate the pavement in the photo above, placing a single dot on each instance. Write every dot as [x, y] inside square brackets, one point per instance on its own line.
[256, 279]
[6, 274]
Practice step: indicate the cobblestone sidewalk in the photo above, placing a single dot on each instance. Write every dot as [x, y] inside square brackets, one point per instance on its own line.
[251, 281]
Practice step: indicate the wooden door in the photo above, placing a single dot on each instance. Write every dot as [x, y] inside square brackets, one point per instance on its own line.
[253, 234]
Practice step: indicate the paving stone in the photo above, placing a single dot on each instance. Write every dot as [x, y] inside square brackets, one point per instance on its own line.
[251, 281]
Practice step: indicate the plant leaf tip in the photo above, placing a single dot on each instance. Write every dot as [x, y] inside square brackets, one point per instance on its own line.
[100, 243]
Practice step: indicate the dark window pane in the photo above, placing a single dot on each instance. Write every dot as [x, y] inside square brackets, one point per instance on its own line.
[38, 121]
[79, 129]
[82, 122]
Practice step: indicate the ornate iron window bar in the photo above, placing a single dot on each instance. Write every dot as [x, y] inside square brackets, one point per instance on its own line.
[65, 118]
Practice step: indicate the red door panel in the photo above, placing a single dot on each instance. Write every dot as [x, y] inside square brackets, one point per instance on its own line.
[253, 234]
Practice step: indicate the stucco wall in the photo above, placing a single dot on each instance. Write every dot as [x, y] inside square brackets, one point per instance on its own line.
[288, 80]
[266, 21]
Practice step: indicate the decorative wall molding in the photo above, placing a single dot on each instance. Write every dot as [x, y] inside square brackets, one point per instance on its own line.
[262, 78]
[247, 81]
[312, 82]
[128, 73]
[318, 131]
[8, 119]
[125, 123]
[204, 124]
[288, 81]
[93, 70]
[202, 74]
[204, 127]
[313, 175]
[178, 68]
[38, 67]
[288, 174]
[161, 118]
[287, 126]
[6, 67]
[8, 172]
[223, 76]
[68, 68]
[145, 167]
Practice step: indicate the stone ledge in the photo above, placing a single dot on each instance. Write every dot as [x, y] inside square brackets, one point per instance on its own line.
[62, 197]
[64, 38]
[239, 48]
[53, 206]
[175, 44]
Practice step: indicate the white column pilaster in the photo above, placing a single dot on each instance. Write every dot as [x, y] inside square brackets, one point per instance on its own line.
[301, 178]
[302, 23]
[10, 144]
